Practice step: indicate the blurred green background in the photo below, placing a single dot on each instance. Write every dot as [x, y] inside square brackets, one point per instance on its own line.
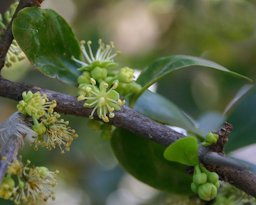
[143, 30]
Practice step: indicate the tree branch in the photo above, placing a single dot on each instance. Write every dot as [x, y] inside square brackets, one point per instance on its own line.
[6, 40]
[228, 169]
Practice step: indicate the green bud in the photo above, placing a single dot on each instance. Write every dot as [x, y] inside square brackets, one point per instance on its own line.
[217, 184]
[42, 171]
[213, 177]
[211, 138]
[128, 88]
[40, 129]
[126, 75]
[194, 187]
[200, 178]
[207, 191]
[84, 78]
[99, 74]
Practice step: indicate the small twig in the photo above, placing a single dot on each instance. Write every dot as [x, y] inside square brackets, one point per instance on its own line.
[6, 40]
[223, 138]
[131, 120]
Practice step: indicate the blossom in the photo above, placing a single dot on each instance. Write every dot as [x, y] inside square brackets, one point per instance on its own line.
[102, 58]
[103, 100]
[35, 104]
[57, 133]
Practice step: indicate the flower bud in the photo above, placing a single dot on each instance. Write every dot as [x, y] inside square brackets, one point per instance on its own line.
[207, 191]
[99, 74]
[217, 184]
[200, 178]
[213, 177]
[211, 138]
[126, 75]
[40, 129]
[84, 78]
[194, 187]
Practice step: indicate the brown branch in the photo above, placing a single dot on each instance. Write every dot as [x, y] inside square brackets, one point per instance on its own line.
[227, 168]
[6, 40]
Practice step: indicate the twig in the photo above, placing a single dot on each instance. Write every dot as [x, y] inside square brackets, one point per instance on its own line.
[227, 168]
[6, 40]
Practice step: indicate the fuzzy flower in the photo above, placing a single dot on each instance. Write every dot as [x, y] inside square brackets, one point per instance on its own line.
[57, 133]
[34, 185]
[103, 57]
[103, 100]
[26, 184]
[50, 130]
[35, 104]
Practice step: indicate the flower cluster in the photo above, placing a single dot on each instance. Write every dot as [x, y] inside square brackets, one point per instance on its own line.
[205, 183]
[25, 184]
[102, 82]
[14, 54]
[52, 131]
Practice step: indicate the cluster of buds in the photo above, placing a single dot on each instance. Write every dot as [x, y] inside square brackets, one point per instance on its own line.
[102, 82]
[210, 138]
[26, 184]
[14, 54]
[52, 131]
[205, 183]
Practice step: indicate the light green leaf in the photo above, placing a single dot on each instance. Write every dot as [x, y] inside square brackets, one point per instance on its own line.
[164, 111]
[184, 151]
[48, 42]
[166, 65]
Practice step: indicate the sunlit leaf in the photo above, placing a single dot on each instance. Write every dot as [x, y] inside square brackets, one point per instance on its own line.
[166, 65]
[48, 42]
[184, 151]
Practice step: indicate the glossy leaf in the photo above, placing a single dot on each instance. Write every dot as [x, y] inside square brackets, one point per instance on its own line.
[164, 111]
[242, 117]
[167, 65]
[48, 42]
[144, 160]
[184, 151]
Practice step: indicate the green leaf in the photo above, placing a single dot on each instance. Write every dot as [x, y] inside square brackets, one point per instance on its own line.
[166, 65]
[48, 42]
[164, 111]
[184, 151]
[242, 117]
[144, 160]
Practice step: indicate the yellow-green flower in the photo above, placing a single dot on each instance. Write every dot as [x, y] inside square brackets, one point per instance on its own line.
[57, 134]
[104, 101]
[35, 104]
